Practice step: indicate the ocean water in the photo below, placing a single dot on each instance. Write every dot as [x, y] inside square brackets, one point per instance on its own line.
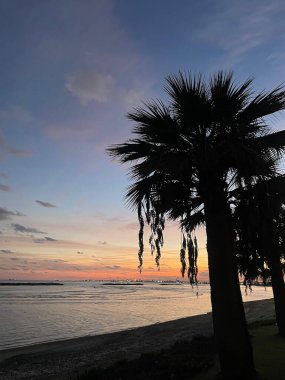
[37, 314]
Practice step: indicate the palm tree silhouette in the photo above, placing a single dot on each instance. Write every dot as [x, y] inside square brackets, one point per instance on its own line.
[208, 137]
[260, 217]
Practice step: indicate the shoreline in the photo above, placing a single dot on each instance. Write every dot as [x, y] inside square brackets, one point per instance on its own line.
[65, 359]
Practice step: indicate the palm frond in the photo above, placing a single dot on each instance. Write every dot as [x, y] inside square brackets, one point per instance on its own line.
[263, 104]
[272, 141]
[207, 135]
[189, 100]
[227, 97]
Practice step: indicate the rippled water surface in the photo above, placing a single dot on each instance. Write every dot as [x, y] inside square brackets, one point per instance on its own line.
[35, 314]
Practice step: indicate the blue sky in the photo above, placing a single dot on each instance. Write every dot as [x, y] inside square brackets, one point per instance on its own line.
[69, 72]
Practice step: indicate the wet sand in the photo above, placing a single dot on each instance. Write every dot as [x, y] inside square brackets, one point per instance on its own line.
[66, 359]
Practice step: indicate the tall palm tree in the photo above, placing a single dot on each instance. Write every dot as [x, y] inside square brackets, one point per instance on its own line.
[260, 229]
[204, 136]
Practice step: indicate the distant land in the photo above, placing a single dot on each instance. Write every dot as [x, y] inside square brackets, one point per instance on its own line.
[123, 283]
[30, 283]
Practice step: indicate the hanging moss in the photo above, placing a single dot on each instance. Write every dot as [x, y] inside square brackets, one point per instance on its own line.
[151, 213]
[192, 249]
[155, 219]
[141, 231]
[182, 255]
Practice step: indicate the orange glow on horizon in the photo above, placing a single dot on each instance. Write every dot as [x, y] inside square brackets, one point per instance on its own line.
[75, 260]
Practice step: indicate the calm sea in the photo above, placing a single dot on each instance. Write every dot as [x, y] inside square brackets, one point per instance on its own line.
[36, 314]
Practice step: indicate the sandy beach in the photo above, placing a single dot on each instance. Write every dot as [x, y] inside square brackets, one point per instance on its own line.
[66, 359]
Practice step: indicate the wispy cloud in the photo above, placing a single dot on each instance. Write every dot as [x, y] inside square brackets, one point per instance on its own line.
[17, 113]
[44, 240]
[277, 58]
[5, 188]
[6, 251]
[47, 238]
[45, 204]
[102, 242]
[90, 85]
[39, 264]
[8, 150]
[112, 267]
[22, 229]
[7, 214]
[18, 152]
[240, 27]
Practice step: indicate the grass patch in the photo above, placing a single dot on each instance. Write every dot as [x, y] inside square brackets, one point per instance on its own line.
[180, 362]
[269, 352]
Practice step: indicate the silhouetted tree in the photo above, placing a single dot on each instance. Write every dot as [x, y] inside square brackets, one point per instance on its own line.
[260, 217]
[205, 139]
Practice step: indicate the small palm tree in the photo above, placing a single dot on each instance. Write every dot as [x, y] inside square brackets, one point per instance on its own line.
[205, 139]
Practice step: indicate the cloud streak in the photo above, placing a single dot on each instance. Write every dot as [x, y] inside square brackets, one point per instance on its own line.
[44, 240]
[240, 27]
[5, 188]
[49, 239]
[45, 204]
[7, 214]
[8, 150]
[112, 267]
[22, 229]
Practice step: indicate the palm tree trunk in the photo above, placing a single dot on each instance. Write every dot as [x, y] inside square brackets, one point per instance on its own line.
[230, 329]
[278, 287]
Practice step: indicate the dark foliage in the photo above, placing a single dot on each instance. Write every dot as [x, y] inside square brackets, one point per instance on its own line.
[206, 132]
[260, 226]
[182, 361]
[186, 157]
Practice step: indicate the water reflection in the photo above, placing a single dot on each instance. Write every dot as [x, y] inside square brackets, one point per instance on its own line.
[30, 315]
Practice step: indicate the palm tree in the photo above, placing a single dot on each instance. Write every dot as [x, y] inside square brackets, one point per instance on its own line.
[206, 135]
[260, 228]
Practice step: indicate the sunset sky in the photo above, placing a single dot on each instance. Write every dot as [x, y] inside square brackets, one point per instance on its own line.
[70, 70]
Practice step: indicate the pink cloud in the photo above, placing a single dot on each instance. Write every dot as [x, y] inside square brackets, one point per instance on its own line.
[89, 85]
